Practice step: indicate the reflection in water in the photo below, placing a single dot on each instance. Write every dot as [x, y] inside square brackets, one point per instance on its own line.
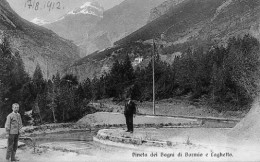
[76, 136]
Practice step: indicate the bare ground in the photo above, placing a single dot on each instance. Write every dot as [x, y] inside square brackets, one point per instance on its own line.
[181, 107]
[197, 137]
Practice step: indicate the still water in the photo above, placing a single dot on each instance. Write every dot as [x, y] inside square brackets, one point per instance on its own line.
[76, 141]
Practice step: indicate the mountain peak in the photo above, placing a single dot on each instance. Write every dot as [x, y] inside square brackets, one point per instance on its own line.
[39, 21]
[90, 7]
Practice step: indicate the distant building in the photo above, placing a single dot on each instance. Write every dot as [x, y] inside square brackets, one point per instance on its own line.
[137, 61]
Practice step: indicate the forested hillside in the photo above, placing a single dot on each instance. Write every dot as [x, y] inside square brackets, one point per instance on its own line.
[225, 75]
[59, 99]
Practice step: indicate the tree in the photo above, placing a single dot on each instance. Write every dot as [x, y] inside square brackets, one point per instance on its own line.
[242, 68]
[12, 79]
[38, 81]
[96, 90]
[38, 89]
[51, 97]
[69, 80]
[37, 75]
[127, 70]
[19, 70]
[87, 89]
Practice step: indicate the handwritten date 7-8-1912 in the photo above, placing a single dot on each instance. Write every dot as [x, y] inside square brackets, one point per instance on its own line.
[39, 5]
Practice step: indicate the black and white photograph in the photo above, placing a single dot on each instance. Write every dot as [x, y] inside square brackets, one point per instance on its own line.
[129, 80]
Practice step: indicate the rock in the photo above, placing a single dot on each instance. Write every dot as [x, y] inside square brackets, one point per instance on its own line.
[163, 9]
[35, 44]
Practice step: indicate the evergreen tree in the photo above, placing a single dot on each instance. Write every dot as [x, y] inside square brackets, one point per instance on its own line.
[51, 98]
[96, 89]
[38, 81]
[37, 75]
[115, 80]
[242, 68]
[39, 92]
[127, 70]
[87, 89]
[12, 79]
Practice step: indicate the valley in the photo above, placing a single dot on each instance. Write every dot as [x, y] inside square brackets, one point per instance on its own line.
[191, 67]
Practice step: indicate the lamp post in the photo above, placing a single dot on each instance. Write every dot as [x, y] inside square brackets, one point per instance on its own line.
[153, 78]
[162, 36]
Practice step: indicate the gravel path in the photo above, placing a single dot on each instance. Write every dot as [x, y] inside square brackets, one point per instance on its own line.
[101, 118]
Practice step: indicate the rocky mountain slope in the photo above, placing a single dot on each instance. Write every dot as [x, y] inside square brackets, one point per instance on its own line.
[76, 24]
[203, 20]
[163, 9]
[94, 30]
[189, 23]
[119, 22]
[36, 44]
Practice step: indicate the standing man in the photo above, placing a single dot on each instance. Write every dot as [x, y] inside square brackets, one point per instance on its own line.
[13, 126]
[130, 110]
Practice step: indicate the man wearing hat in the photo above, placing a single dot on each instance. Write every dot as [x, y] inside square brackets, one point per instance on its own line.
[130, 110]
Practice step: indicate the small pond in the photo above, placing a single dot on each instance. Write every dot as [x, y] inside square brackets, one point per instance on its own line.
[76, 141]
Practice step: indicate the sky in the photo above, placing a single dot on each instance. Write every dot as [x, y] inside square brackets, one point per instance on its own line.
[51, 10]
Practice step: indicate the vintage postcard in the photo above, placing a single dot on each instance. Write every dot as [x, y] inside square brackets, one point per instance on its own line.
[129, 80]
